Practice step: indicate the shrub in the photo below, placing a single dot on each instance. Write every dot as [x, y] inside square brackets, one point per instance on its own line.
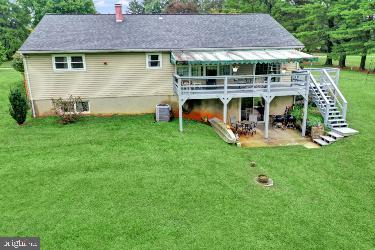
[18, 105]
[314, 117]
[65, 109]
[17, 63]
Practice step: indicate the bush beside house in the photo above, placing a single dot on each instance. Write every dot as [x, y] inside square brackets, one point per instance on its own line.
[18, 105]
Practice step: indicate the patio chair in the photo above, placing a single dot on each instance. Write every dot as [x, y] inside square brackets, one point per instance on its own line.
[233, 123]
[253, 118]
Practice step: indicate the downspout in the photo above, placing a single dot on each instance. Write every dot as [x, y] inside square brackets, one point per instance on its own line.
[29, 86]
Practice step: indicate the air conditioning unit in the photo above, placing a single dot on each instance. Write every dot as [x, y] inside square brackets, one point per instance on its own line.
[163, 113]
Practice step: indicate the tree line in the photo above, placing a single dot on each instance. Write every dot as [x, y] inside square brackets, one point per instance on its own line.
[335, 27]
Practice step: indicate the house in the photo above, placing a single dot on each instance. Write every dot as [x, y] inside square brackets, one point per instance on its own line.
[202, 65]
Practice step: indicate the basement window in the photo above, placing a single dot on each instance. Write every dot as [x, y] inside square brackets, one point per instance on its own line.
[77, 107]
[69, 62]
[154, 61]
[82, 107]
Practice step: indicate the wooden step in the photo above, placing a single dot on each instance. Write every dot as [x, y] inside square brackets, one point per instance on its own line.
[328, 139]
[321, 142]
[331, 116]
[345, 131]
[336, 120]
[335, 135]
[339, 125]
[332, 105]
[332, 112]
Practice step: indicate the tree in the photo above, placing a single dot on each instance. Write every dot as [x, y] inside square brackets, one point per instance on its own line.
[356, 34]
[314, 23]
[2, 53]
[14, 26]
[35, 8]
[18, 105]
[179, 7]
[154, 6]
[70, 7]
[136, 7]
[243, 6]
[209, 6]
[38, 8]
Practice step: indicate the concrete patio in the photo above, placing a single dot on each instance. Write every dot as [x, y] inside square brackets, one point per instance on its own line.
[277, 137]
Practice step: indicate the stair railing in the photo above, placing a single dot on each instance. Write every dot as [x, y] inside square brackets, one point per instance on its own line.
[336, 93]
[313, 83]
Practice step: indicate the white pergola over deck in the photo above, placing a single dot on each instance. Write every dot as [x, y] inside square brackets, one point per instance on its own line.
[237, 86]
[239, 57]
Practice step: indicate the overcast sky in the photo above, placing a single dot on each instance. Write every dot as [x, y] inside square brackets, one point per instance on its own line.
[108, 6]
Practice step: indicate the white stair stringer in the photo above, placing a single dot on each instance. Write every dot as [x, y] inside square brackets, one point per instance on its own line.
[332, 106]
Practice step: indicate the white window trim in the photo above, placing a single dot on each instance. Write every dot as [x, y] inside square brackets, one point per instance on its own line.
[69, 61]
[160, 60]
[84, 112]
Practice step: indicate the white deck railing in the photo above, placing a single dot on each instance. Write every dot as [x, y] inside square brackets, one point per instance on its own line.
[241, 85]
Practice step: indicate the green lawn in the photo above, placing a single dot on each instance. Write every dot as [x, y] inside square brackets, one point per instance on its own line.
[7, 64]
[126, 182]
[351, 61]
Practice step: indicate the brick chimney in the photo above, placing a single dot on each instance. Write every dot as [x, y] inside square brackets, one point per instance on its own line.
[118, 11]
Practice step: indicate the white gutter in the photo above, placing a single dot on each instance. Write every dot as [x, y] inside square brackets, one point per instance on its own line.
[150, 50]
[29, 86]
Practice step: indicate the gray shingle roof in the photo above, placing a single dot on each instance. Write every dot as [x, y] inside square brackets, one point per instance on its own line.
[159, 32]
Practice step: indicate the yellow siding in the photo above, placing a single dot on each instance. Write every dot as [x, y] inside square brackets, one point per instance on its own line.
[125, 74]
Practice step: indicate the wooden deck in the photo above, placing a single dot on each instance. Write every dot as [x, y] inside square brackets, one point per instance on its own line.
[228, 87]
[240, 86]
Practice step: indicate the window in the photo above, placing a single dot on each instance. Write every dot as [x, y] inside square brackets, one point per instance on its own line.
[183, 70]
[267, 68]
[61, 62]
[75, 106]
[154, 61]
[77, 62]
[68, 62]
[224, 70]
[197, 70]
[82, 107]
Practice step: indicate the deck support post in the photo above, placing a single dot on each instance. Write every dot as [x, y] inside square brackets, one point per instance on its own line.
[225, 111]
[305, 104]
[181, 102]
[180, 115]
[225, 101]
[266, 119]
[239, 109]
[268, 99]
[304, 121]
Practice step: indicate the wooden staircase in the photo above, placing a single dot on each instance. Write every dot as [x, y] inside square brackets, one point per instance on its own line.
[329, 138]
[331, 104]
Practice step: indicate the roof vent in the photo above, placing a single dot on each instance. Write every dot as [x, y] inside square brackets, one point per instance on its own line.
[118, 11]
